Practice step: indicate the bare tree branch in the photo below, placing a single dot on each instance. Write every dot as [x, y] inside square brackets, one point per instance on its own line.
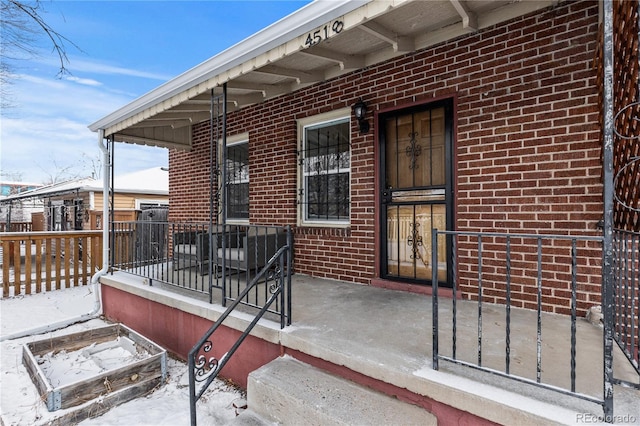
[57, 172]
[57, 39]
[21, 25]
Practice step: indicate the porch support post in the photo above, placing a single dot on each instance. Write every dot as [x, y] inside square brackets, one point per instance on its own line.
[213, 167]
[224, 154]
[223, 190]
[111, 146]
[607, 164]
[212, 164]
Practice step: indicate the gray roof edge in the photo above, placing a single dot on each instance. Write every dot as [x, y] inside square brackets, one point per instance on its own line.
[297, 23]
[79, 189]
[44, 192]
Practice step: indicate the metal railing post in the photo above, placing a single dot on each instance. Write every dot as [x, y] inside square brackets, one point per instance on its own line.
[434, 298]
[574, 303]
[607, 249]
[289, 271]
[508, 310]
[539, 313]
[480, 300]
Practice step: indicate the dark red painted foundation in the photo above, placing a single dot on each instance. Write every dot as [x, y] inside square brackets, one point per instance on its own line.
[178, 331]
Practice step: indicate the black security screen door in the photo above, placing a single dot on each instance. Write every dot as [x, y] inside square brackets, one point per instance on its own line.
[416, 191]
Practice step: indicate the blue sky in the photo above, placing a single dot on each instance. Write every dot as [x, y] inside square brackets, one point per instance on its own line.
[127, 49]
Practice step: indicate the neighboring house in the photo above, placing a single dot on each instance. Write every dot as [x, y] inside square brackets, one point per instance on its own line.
[19, 211]
[12, 188]
[77, 204]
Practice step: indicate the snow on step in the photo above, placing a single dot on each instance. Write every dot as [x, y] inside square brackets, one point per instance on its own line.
[289, 392]
[249, 418]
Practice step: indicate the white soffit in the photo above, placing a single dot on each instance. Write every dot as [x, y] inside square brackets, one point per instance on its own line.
[346, 36]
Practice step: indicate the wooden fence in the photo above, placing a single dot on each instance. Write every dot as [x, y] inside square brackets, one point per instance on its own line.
[34, 262]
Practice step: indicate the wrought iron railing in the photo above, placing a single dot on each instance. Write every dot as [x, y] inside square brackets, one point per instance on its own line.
[493, 267]
[16, 227]
[161, 251]
[275, 280]
[626, 297]
[210, 259]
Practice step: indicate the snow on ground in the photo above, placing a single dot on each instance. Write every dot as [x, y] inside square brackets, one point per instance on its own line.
[66, 367]
[29, 311]
[20, 403]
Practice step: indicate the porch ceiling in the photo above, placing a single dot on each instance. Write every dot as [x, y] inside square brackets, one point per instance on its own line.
[350, 35]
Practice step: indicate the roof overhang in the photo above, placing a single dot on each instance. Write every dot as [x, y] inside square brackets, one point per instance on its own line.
[41, 195]
[320, 41]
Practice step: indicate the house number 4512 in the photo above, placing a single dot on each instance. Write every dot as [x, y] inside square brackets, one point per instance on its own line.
[323, 33]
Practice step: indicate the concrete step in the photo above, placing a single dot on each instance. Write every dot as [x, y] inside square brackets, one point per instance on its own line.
[289, 392]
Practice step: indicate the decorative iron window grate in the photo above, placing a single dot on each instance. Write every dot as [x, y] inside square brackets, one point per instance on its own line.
[325, 162]
[237, 160]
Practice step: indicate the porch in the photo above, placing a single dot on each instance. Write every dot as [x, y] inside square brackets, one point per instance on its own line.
[383, 339]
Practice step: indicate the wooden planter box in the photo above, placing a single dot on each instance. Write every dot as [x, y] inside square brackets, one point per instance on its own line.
[115, 385]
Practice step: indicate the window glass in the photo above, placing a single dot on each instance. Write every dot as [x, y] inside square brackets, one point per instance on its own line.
[237, 162]
[326, 169]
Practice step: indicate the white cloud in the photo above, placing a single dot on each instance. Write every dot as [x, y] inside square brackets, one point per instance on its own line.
[85, 81]
[77, 64]
[37, 96]
[47, 130]
[43, 148]
[38, 149]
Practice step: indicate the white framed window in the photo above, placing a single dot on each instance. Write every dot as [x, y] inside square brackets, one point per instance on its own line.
[148, 203]
[324, 194]
[237, 169]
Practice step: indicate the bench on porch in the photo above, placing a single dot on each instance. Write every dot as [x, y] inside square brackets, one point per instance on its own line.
[250, 250]
[245, 249]
[185, 250]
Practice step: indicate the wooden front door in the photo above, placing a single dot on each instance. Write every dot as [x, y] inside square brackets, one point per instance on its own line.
[416, 191]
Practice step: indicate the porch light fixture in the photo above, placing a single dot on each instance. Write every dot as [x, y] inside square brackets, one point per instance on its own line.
[360, 111]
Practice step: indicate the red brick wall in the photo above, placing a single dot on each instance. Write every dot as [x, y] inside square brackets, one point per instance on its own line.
[527, 146]
[189, 180]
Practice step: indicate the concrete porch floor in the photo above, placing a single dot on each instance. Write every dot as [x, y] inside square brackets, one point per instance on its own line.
[386, 335]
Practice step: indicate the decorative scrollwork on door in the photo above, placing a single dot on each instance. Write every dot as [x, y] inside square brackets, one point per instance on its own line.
[413, 150]
[415, 240]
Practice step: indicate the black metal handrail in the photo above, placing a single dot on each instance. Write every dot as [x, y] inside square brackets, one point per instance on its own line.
[535, 254]
[276, 275]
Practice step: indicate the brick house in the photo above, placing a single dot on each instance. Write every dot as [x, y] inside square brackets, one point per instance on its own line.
[483, 118]
[367, 125]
